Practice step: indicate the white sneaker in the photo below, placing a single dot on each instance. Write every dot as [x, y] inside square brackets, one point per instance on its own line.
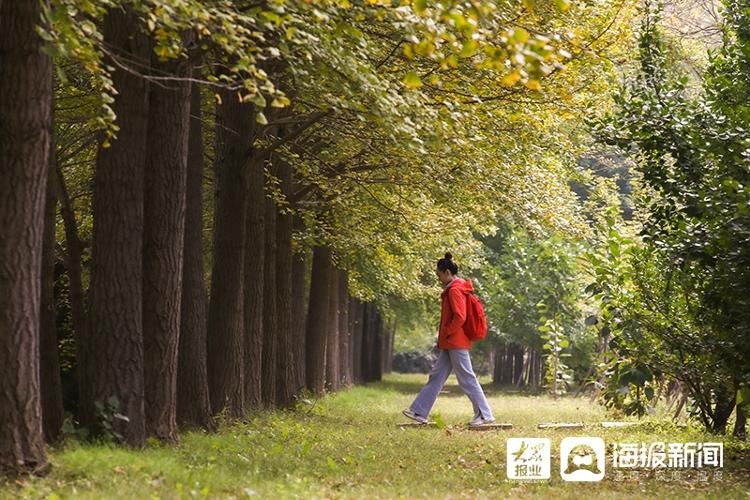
[479, 420]
[419, 418]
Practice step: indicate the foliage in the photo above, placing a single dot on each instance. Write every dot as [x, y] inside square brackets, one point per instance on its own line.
[687, 312]
[533, 297]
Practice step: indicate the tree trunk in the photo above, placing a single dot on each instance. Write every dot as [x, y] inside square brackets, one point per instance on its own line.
[740, 422]
[357, 313]
[255, 238]
[332, 339]
[725, 403]
[299, 283]
[377, 362]
[270, 318]
[369, 326]
[497, 372]
[517, 365]
[345, 334]
[163, 243]
[234, 132]
[117, 249]
[317, 320]
[193, 403]
[25, 130]
[73, 255]
[51, 383]
[285, 377]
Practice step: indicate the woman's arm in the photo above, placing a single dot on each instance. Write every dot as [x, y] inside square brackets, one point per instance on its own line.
[457, 302]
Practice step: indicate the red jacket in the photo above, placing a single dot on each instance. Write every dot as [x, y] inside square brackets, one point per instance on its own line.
[453, 315]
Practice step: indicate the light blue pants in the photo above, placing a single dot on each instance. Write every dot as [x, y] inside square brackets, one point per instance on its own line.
[458, 360]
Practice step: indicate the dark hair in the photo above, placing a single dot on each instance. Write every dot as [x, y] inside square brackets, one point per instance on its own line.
[447, 264]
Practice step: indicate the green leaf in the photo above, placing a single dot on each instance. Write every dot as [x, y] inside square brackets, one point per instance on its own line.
[419, 6]
[412, 80]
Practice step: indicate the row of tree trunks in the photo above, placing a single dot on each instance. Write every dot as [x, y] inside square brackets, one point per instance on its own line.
[25, 137]
[150, 346]
[346, 338]
[519, 366]
[510, 365]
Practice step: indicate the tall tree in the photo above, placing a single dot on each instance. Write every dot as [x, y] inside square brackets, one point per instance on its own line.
[270, 315]
[51, 384]
[357, 320]
[332, 335]
[25, 127]
[234, 132]
[163, 241]
[317, 319]
[345, 332]
[255, 238]
[299, 285]
[193, 403]
[285, 364]
[116, 291]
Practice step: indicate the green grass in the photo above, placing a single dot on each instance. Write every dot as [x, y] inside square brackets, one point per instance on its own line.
[348, 445]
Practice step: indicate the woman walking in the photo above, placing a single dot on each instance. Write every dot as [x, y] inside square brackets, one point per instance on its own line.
[454, 348]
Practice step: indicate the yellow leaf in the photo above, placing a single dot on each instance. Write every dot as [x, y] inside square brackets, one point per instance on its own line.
[511, 78]
[533, 85]
[280, 102]
[412, 80]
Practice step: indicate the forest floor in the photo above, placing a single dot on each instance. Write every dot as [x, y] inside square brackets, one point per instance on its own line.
[348, 444]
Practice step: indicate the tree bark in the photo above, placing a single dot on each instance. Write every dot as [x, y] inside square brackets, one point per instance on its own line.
[367, 342]
[73, 255]
[163, 243]
[377, 362]
[317, 320]
[358, 318]
[51, 383]
[286, 380]
[117, 249]
[332, 338]
[25, 131]
[740, 423]
[234, 132]
[193, 403]
[254, 284]
[270, 317]
[299, 284]
[345, 334]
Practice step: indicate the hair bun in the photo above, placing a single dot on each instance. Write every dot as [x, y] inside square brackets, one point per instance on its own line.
[448, 256]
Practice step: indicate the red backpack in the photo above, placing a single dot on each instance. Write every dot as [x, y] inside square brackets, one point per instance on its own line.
[475, 327]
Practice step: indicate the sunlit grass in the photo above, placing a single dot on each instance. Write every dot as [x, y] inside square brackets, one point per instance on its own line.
[348, 445]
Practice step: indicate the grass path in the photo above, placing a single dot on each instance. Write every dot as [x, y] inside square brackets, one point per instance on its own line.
[348, 445]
